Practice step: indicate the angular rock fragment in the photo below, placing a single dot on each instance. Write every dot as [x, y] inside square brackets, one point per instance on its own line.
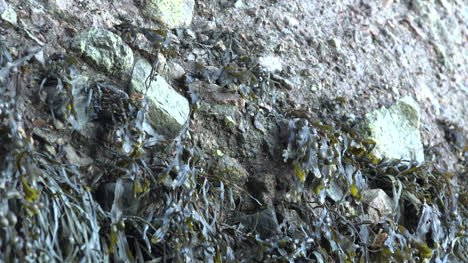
[396, 131]
[380, 204]
[104, 50]
[170, 13]
[168, 110]
[271, 63]
[9, 15]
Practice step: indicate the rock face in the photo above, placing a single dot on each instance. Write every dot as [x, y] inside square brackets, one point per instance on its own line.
[168, 110]
[380, 204]
[170, 13]
[105, 50]
[396, 131]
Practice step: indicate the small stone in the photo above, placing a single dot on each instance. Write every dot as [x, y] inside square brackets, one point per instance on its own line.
[291, 21]
[271, 63]
[229, 121]
[76, 158]
[380, 204]
[190, 34]
[220, 45]
[3, 6]
[210, 25]
[239, 4]
[9, 15]
[60, 4]
[176, 71]
[335, 43]
[50, 149]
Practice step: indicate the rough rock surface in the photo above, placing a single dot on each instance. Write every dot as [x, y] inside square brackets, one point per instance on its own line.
[105, 50]
[263, 222]
[168, 110]
[171, 13]
[232, 171]
[396, 131]
[263, 186]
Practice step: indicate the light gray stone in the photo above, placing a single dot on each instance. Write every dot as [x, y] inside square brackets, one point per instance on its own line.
[177, 72]
[9, 15]
[170, 13]
[60, 4]
[3, 6]
[75, 157]
[380, 204]
[396, 131]
[271, 63]
[168, 110]
[105, 50]
[239, 4]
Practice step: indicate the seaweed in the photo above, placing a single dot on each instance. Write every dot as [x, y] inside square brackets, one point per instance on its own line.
[313, 146]
[51, 212]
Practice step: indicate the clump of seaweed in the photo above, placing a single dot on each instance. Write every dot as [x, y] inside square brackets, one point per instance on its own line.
[327, 156]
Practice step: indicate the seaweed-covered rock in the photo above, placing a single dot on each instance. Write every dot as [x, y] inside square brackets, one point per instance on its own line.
[105, 50]
[168, 110]
[380, 204]
[231, 171]
[129, 204]
[263, 187]
[263, 222]
[396, 131]
[170, 13]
